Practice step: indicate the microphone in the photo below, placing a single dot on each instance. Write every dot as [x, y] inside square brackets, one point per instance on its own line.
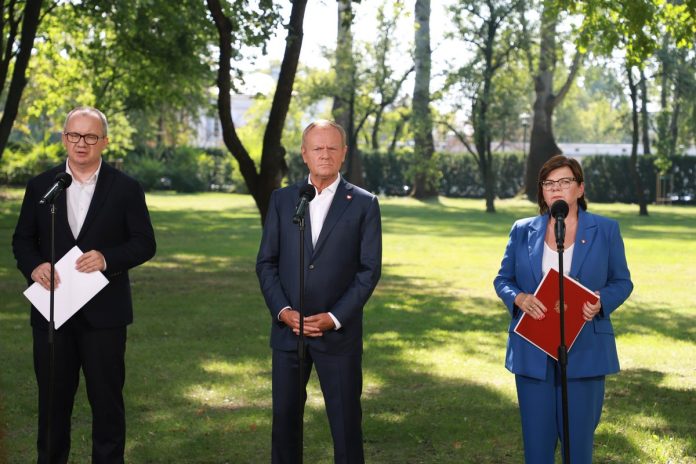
[307, 194]
[559, 210]
[61, 182]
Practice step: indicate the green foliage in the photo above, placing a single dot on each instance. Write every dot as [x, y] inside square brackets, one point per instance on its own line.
[594, 111]
[146, 65]
[18, 164]
[632, 25]
[148, 170]
[184, 169]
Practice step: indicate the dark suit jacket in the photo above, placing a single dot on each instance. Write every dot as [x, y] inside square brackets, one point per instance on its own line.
[599, 263]
[340, 272]
[117, 224]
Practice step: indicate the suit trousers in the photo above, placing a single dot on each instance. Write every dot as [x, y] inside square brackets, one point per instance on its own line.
[340, 377]
[100, 353]
[541, 412]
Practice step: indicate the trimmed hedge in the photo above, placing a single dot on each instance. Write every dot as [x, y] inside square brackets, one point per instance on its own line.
[187, 169]
[608, 179]
[387, 173]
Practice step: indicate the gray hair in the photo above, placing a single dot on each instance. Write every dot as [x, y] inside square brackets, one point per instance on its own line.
[88, 110]
[325, 123]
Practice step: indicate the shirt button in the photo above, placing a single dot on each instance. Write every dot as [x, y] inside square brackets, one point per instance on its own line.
[311, 266]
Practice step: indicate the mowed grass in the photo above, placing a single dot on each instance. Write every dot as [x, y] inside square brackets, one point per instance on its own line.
[198, 386]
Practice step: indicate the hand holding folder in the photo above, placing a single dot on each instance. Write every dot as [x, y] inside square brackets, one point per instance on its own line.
[545, 333]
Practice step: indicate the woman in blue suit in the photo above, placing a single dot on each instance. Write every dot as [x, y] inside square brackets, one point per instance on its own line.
[593, 255]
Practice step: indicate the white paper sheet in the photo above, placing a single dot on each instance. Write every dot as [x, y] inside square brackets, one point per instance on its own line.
[75, 289]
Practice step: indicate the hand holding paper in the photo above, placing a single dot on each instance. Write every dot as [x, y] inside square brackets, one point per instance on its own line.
[75, 290]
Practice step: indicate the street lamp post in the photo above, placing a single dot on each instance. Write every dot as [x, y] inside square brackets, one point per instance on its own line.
[524, 120]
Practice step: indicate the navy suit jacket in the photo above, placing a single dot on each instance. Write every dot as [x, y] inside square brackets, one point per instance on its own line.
[117, 225]
[599, 263]
[340, 273]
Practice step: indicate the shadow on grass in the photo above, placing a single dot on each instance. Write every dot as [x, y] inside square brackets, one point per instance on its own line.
[671, 325]
[199, 384]
[636, 396]
[443, 220]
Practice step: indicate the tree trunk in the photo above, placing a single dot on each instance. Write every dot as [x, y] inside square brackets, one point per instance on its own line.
[542, 143]
[674, 120]
[423, 186]
[374, 139]
[644, 116]
[30, 24]
[343, 109]
[273, 167]
[633, 163]
[489, 187]
[398, 130]
[482, 130]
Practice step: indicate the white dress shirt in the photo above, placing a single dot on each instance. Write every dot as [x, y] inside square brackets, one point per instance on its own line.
[549, 259]
[79, 196]
[319, 207]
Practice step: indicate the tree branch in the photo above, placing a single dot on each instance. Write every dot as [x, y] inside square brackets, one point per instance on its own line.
[575, 67]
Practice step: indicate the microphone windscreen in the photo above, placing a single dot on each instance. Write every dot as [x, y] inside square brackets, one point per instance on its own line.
[308, 192]
[64, 178]
[559, 208]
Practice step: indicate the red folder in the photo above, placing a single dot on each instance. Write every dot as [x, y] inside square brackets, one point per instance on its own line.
[544, 333]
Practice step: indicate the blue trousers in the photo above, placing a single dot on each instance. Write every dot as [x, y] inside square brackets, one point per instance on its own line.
[341, 383]
[542, 415]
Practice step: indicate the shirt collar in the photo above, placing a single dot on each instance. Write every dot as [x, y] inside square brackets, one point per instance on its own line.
[91, 180]
[331, 188]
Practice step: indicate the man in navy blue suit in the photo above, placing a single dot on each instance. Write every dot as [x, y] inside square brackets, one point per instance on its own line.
[343, 258]
[103, 211]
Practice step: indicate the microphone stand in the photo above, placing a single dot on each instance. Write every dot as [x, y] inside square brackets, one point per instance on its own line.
[301, 345]
[559, 229]
[51, 337]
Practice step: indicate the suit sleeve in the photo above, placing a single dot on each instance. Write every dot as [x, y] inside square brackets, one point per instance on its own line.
[267, 261]
[505, 282]
[25, 241]
[140, 244]
[619, 285]
[353, 300]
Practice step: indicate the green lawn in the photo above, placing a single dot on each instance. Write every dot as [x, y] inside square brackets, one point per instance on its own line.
[198, 386]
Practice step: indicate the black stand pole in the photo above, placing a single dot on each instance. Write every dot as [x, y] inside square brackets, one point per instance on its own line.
[301, 346]
[51, 334]
[562, 349]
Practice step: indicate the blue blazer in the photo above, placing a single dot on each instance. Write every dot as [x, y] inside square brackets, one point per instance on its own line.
[340, 272]
[599, 263]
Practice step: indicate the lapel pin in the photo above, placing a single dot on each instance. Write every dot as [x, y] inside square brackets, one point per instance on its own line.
[349, 197]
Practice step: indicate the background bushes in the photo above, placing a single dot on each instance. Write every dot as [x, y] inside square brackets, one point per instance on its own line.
[608, 179]
[20, 163]
[187, 169]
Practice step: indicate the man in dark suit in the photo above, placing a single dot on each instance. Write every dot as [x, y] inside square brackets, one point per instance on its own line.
[343, 258]
[104, 213]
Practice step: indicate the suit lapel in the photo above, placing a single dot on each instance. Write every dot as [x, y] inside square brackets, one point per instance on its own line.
[585, 235]
[341, 200]
[101, 191]
[535, 245]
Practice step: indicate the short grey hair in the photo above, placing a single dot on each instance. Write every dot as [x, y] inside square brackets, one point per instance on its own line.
[325, 123]
[88, 110]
